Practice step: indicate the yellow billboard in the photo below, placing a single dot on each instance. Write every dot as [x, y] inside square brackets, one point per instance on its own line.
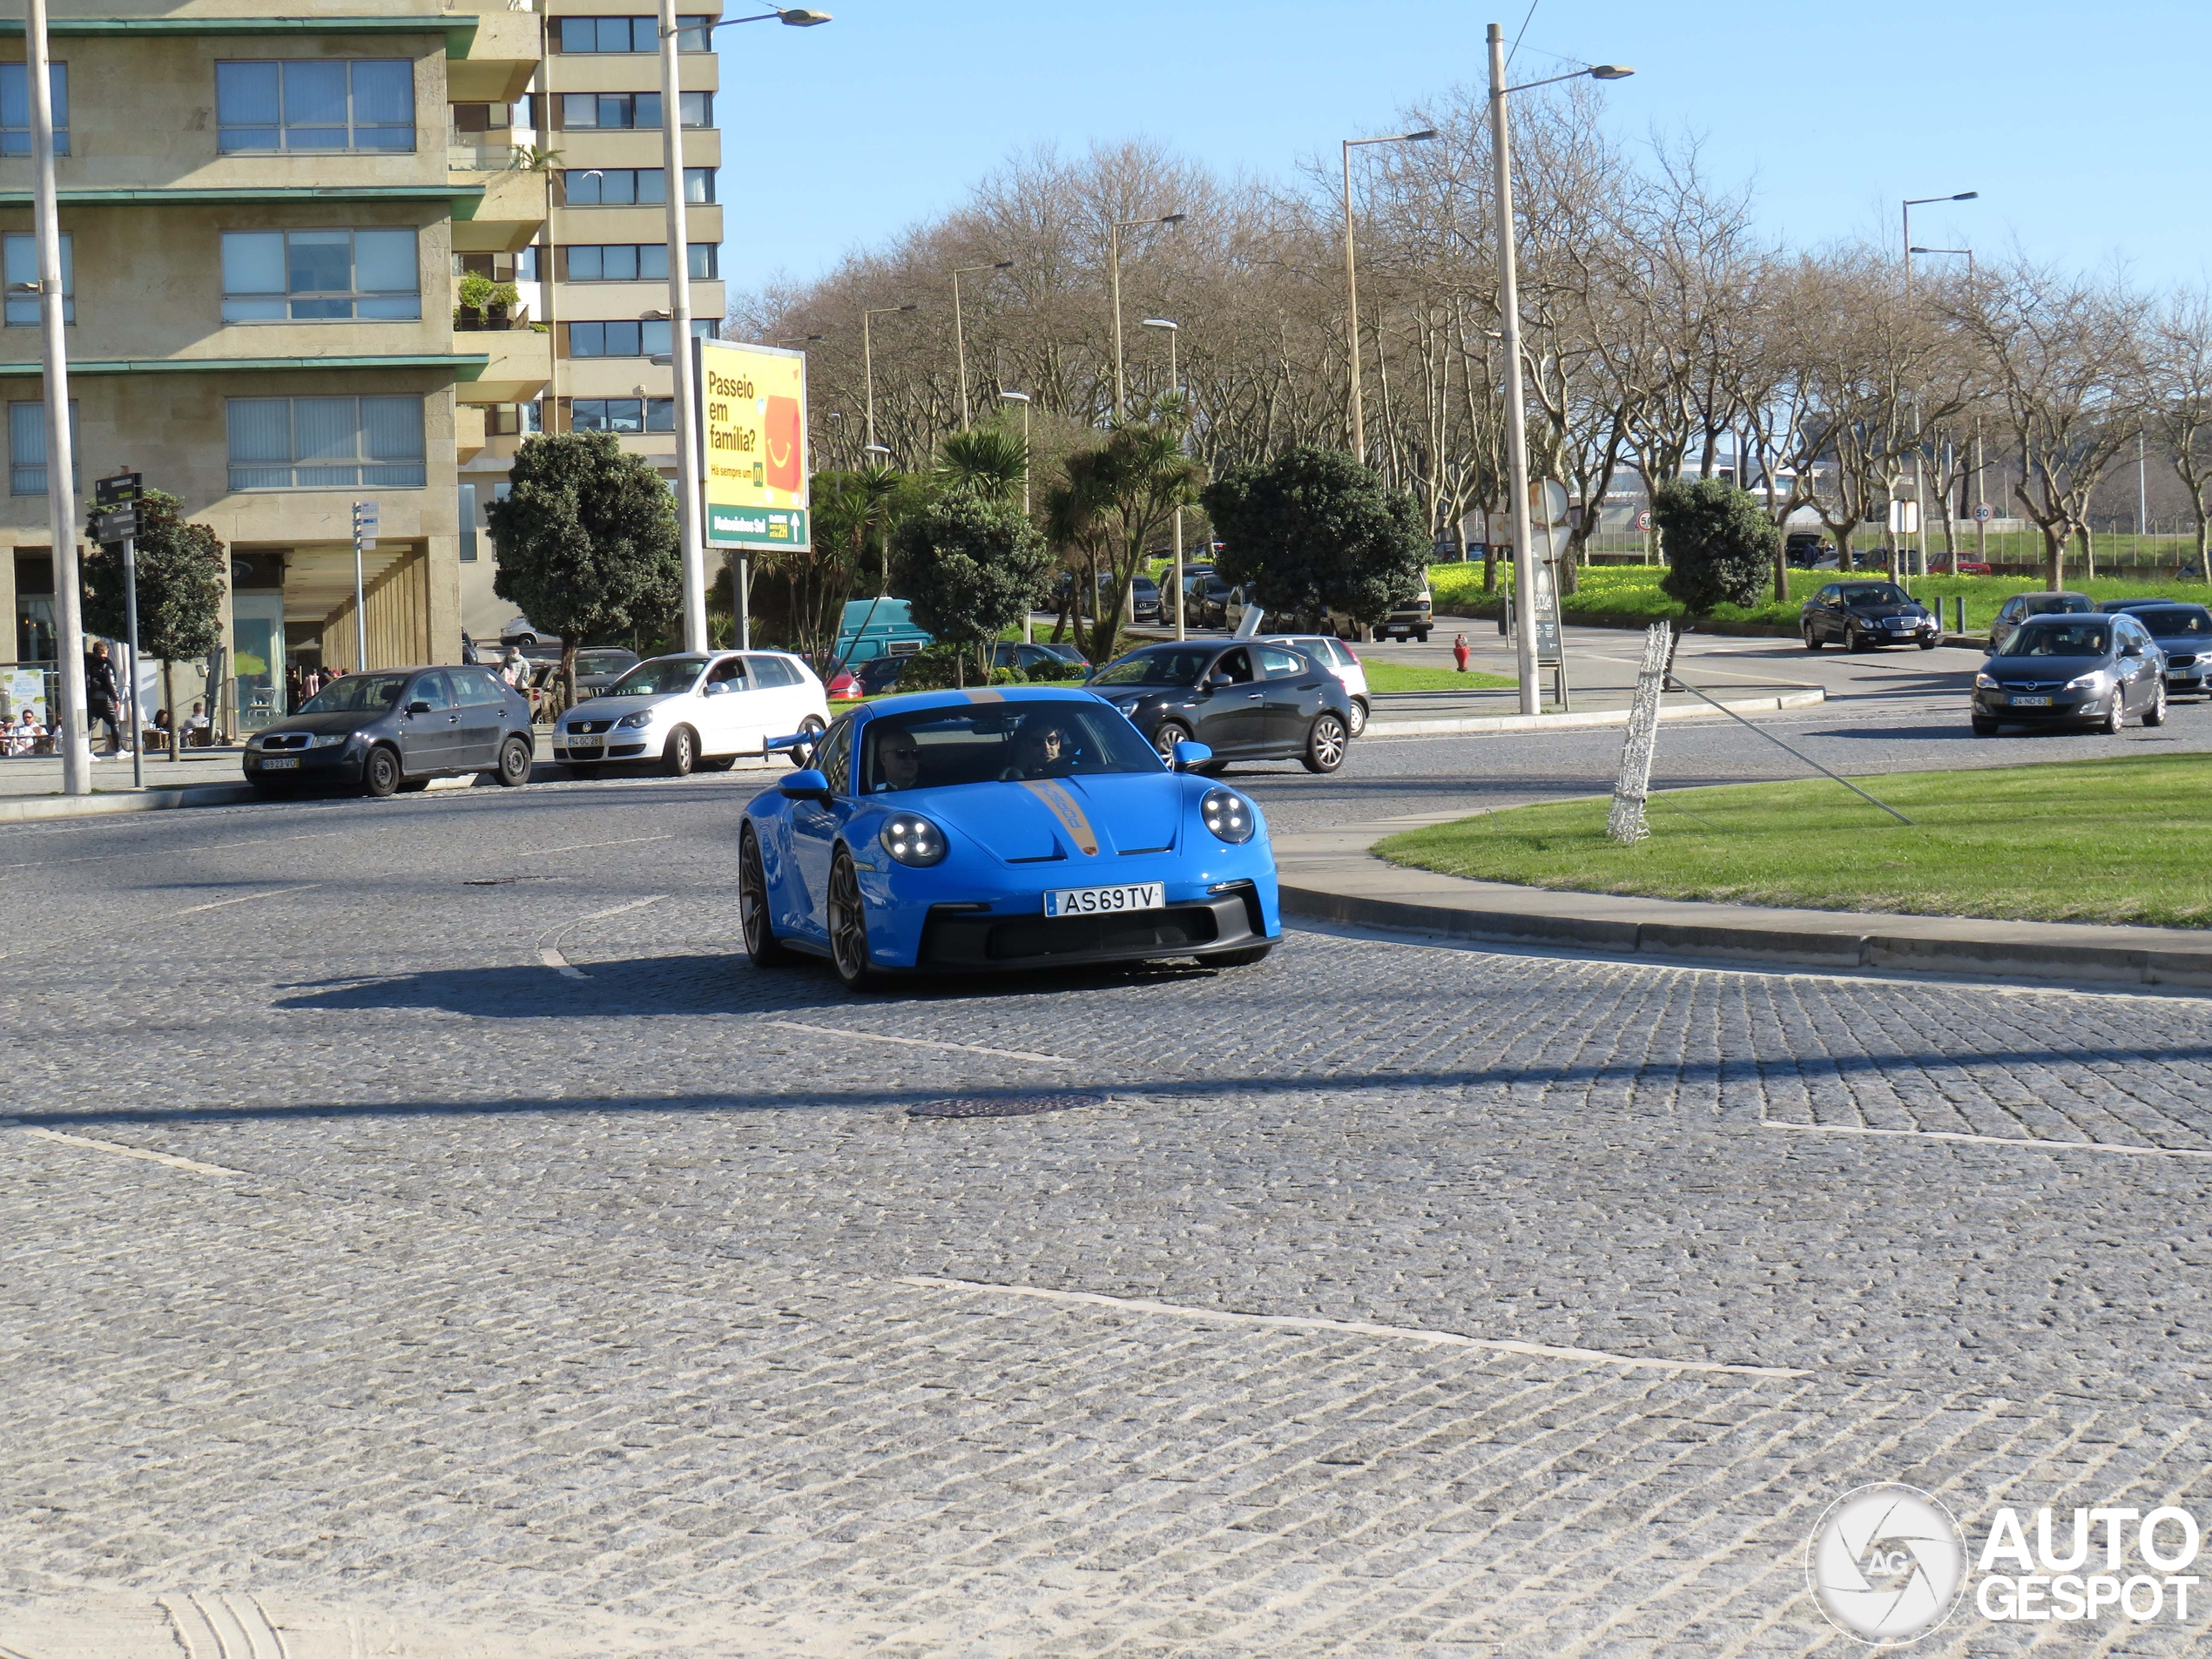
[752, 427]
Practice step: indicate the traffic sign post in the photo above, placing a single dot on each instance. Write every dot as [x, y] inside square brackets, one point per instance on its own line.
[364, 537]
[117, 521]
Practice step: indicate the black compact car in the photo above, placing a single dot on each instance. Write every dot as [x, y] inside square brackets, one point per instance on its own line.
[1860, 614]
[397, 728]
[1244, 702]
[2071, 669]
[2022, 606]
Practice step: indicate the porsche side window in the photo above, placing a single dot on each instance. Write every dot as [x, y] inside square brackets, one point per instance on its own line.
[837, 757]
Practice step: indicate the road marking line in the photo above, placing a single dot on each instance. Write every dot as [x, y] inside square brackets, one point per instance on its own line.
[173, 1161]
[1346, 1327]
[551, 954]
[923, 1043]
[579, 846]
[1992, 1140]
[278, 893]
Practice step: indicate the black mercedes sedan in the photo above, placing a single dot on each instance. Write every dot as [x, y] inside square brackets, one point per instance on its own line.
[1243, 701]
[2072, 670]
[397, 728]
[1860, 614]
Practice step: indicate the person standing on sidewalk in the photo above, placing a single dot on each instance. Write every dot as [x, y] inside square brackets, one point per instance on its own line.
[101, 697]
[1459, 651]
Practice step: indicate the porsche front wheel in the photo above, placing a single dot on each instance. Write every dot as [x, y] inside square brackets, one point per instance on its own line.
[848, 927]
[760, 941]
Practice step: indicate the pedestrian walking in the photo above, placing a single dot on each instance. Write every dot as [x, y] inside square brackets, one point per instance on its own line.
[516, 671]
[1459, 651]
[102, 695]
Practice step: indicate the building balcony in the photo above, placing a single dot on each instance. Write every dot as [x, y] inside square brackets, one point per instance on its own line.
[520, 357]
[499, 58]
[509, 216]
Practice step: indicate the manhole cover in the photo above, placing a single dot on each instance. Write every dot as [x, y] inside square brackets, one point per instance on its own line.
[1007, 1105]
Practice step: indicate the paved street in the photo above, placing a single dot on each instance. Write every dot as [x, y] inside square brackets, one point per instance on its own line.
[365, 1270]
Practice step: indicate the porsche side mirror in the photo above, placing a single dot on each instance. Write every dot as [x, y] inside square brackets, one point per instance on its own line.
[808, 785]
[1188, 755]
[418, 708]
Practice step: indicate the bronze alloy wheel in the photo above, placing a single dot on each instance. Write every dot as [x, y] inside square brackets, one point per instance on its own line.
[848, 927]
[760, 941]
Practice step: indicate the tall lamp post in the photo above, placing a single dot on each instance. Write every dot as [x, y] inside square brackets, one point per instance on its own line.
[1114, 229]
[1022, 398]
[1352, 286]
[1524, 557]
[960, 339]
[868, 360]
[681, 352]
[1919, 480]
[882, 535]
[1922, 201]
[1175, 385]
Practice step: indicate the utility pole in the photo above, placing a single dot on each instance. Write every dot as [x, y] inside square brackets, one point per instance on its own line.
[365, 516]
[1352, 292]
[682, 367]
[1524, 553]
[61, 473]
[116, 498]
[959, 336]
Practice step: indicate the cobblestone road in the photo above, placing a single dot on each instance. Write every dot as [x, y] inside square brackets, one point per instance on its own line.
[1393, 1299]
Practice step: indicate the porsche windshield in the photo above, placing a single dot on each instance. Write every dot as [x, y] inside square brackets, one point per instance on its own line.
[1000, 743]
[659, 677]
[357, 694]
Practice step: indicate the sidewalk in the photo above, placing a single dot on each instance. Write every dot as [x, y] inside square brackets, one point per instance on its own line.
[1331, 875]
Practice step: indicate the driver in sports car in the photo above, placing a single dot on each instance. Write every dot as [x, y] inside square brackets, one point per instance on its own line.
[1041, 749]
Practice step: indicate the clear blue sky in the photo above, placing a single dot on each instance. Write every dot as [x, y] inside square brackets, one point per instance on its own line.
[2073, 121]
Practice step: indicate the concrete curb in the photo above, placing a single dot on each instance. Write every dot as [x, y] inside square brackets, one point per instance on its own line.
[1811, 697]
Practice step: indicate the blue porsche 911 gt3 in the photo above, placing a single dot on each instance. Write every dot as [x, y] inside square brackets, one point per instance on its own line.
[1009, 828]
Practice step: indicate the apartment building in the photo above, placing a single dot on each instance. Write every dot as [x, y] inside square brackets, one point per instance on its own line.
[265, 218]
[597, 277]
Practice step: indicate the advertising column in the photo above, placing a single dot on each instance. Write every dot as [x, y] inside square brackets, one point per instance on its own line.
[752, 427]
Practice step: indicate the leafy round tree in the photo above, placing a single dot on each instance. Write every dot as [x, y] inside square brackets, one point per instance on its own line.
[1313, 531]
[179, 567]
[969, 567]
[1720, 544]
[586, 541]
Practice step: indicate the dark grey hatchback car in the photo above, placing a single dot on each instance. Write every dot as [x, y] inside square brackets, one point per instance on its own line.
[2071, 669]
[397, 728]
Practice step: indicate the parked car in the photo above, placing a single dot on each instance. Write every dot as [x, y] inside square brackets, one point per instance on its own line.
[397, 728]
[1802, 550]
[1245, 701]
[2071, 667]
[693, 710]
[524, 635]
[2133, 604]
[1208, 603]
[600, 667]
[1032, 830]
[1340, 660]
[2183, 635]
[1143, 598]
[1860, 614]
[873, 628]
[1944, 565]
[1056, 661]
[2022, 606]
[1411, 620]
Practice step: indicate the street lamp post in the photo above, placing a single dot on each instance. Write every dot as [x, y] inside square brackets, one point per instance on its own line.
[1175, 385]
[681, 352]
[868, 360]
[1352, 287]
[1114, 229]
[1524, 560]
[960, 338]
[1029, 621]
[882, 535]
[1922, 201]
[1919, 479]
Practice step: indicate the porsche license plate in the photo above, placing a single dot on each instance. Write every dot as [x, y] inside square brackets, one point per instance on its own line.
[1104, 902]
[288, 763]
[2030, 701]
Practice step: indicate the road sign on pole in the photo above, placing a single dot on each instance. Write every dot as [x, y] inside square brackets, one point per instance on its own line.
[1983, 512]
[364, 537]
[1905, 517]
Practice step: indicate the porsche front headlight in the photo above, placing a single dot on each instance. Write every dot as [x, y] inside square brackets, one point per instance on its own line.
[913, 840]
[1229, 815]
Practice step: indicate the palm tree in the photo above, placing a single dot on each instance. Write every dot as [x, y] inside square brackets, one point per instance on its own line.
[989, 460]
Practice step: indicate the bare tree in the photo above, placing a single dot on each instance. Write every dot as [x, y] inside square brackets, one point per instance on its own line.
[2179, 388]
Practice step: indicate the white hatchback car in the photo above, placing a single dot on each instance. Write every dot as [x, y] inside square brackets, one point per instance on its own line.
[1340, 660]
[693, 710]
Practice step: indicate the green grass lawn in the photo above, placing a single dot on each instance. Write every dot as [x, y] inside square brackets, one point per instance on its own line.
[1633, 590]
[1404, 677]
[2120, 840]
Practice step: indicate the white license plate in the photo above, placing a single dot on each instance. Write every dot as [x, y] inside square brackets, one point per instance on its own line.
[1105, 901]
[584, 743]
[288, 763]
[2030, 701]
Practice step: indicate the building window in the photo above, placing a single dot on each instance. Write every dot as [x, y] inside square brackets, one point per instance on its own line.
[27, 449]
[310, 276]
[585, 110]
[325, 443]
[629, 34]
[630, 261]
[468, 523]
[472, 118]
[623, 414]
[647, 337]
[510, 420]
[20, 261]
[630, 187]
[14, 108]
[315, 104]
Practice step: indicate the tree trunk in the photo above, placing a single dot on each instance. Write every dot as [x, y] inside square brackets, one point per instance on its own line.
[2054, 556]
[2203, 540]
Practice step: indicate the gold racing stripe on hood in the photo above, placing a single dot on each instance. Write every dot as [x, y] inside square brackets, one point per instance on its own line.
[1061, 802]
